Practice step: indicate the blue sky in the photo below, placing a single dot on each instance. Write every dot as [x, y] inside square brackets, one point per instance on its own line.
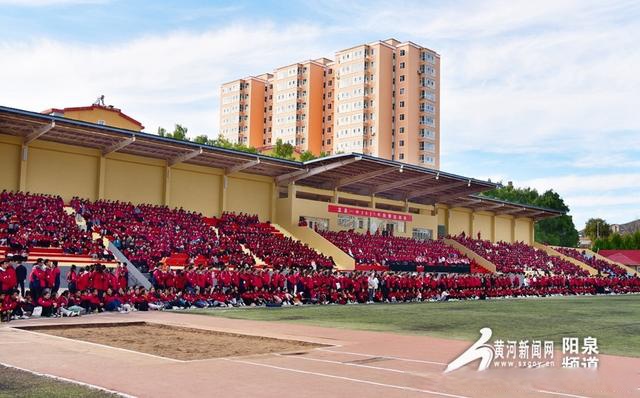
[545, 94]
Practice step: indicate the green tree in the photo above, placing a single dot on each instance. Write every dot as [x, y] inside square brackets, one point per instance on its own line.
[283, 150]
[180, 133]
[306, 156]
[597, 228]
[201, 139]
[557, 231]
[616, 241]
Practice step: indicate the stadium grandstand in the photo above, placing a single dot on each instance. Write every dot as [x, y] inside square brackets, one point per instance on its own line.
[122, 219]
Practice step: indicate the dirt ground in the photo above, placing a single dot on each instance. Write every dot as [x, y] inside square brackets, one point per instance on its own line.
[176, 342]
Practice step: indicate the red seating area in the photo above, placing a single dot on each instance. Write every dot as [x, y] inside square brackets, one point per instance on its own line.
[379, 249]
[600, 265]
[146, 234]
[517, 257]
[268, 244]
[28, 221]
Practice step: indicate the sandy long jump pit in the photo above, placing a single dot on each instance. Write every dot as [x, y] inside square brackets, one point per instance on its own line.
[176, 342]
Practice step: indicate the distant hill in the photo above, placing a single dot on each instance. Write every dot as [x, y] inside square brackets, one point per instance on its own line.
[627, 228]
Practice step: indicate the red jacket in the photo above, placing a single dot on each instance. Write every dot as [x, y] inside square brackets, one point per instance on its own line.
[8, 279]
[44, 302]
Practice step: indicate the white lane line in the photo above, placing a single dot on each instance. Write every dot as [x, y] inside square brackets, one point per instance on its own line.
[100, 345]
[349, 364]
[64, 379]
[563, 394]
[373, 383]
[382, 356]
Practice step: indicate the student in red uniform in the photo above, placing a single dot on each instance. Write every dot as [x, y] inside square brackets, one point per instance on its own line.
[8, 278]
[47, 303]
[72, 278]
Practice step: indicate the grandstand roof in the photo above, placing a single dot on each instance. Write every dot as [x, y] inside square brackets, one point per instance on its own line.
[352, 173]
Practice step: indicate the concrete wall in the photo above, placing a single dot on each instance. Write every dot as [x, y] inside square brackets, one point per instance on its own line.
[9, 163]
[503, 229]
[483, 224]
[459, 221]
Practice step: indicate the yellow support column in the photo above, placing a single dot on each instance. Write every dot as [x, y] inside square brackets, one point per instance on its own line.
[532, 231]
[493, 228]
[167, 185]
[24, 158]
[472, 218]
[102, 166]
[513, 230]
[274, 200]
[335, 196]
[223, 195]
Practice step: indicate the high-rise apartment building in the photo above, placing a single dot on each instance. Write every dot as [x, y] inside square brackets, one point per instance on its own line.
[380, 99]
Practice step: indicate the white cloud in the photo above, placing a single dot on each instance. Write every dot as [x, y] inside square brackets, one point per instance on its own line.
[518, 77]
[576, 183]
[159, 80]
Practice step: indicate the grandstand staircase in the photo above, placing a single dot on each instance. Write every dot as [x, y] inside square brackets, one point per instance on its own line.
[629, 270]
[313, 239]
[478, 259]
[135, 276]
[552, 252]
[258, 260]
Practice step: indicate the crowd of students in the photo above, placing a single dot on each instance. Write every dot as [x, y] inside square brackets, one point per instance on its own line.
[30, 220]
[295, 274]
[86, 288]
[96, 289]
[593, 261]
[383, 249]
[519, 257]
[268, 244]
[145, 233]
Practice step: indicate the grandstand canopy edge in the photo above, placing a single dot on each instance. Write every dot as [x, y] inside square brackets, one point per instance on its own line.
[354, 174]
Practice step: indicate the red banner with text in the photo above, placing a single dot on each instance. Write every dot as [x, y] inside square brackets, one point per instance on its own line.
[354, 211]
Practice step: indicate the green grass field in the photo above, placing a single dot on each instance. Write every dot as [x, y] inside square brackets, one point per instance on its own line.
[614, 320]
[18, 384]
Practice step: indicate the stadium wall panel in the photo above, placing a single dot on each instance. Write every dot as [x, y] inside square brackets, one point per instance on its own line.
[459, 222]
[134, 179]
[503, 229]
[483, 224]
[62, 170]
[9, 163]
[196, 188]
[523, 231]
[249, 194]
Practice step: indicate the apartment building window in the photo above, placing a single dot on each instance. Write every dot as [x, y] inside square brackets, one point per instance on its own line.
[402, 53]
[402, 116]
[401, 78]
[329, 142]
[401, 91]
[401, 130]
[401, 143]
[401, 156]
[401, 65]
[401, 104]
[421, 146]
